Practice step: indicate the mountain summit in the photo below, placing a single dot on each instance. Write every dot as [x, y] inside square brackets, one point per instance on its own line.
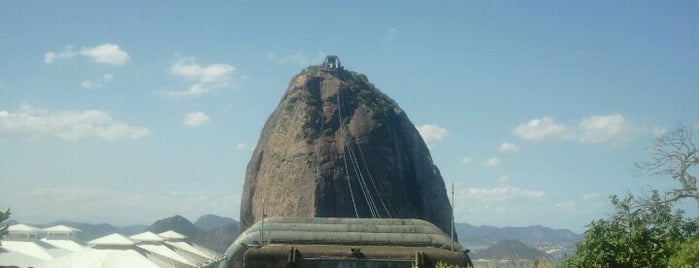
[336, 146]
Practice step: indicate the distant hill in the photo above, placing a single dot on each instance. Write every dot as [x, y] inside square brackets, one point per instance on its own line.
[510, 250]
[90, 231]
[219, 234]
[537, 234]
[210, 221]
[220, 238]
[176, 223]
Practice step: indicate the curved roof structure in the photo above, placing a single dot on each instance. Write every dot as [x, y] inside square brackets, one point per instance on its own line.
[341, 231]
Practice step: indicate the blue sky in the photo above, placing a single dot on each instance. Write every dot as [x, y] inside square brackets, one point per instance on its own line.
[128, 112]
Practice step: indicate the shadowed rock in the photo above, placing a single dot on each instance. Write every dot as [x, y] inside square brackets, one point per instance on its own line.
[337, 147]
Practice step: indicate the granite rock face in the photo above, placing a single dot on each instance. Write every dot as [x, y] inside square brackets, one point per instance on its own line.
[337, 147]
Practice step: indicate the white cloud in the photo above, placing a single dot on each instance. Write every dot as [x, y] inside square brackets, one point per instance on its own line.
[106, 54]
[604, 129]
[213, 73]
[541, 129]
[507, 147]
[466, 160]
[432, 133]
[67, 53]
[118, 206]
[587, 204]
[29, 122]
[243, 147]
[501, 193]
[81, 197]
[204, 78]
[516, 206]
[195, 119]
[99, 83]
[493, 162]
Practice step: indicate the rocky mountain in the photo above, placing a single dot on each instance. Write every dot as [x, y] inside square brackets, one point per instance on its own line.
[210, 221]
[510, 250]
[219, 233]
[219, 238]
[176, 223]
[536, 234]
[336, 146]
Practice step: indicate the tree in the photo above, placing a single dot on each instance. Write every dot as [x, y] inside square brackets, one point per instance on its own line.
[687, 256]
[641, 233]
[674, 154]
[3, 217]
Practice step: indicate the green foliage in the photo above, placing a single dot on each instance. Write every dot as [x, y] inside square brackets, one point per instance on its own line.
[446, 265]
[687, 256]
[3, 217]
[642, 234]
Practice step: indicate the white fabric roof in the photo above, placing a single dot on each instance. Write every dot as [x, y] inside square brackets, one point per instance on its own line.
[100, 258]
[112, 240]
[61, 229]
[147, 237]
[12, 258]
[172, 235]
[22, 228]
[66, 244]
[166, 252]
[187, 247]
[28, 248]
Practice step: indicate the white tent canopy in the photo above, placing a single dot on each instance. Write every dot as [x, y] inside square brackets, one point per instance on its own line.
[60, 232]
[61, 229]
[172, 235]
[149, 237]
[100, 258]
[22, 229]
[112, 240]
[66, 244]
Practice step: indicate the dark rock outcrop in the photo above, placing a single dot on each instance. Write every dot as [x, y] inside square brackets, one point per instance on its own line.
[175, 223]
[210, 221]
[337, 147]
[217, 233]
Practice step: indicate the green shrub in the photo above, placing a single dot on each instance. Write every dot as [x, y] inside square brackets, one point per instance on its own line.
[687, 256]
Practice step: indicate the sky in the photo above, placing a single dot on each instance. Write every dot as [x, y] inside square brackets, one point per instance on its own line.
[127, 112]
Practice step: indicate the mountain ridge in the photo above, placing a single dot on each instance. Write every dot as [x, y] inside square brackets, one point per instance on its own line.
[219, 233]
[227, 229]
[510, 250]
[534, 234]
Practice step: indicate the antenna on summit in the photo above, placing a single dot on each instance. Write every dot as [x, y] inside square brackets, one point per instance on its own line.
[332, 63]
